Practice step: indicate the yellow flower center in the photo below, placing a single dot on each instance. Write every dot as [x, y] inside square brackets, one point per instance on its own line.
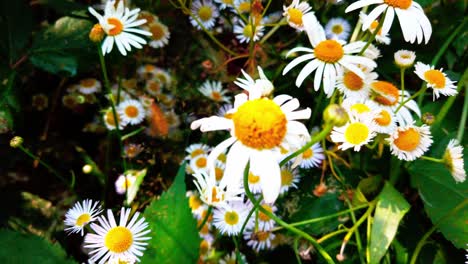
[83, 219]
[352, 81]
[228, 2]
[110, 118]
[154, 86]
[197, 152]
[386, 93]
[131, 111]
[286, 177]
[118, 26]
[356, 133]
[253, 179]
[204, 246]
[360, 108]
[407, 140]
[262, 235]
[260, 124]
[384, 118]
[329, 51]
[263, 217]
[337, 29]
[295, 16]
[201, 162]
[307, 154]
[248, 31]
[219, 173]
[157, 31]
[194, 202]
[88, 83]
[436, 78]
[231, 218]
[127, 183]
[205, 13]
[149, 68]
[403, 4]
[118, 239]
[244, 7]
[216, 96]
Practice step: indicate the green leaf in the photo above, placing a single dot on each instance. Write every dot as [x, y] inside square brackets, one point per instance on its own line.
[62, 47]
[132, 191]
[21, 248]
[174, 231]
[391, 207]
[440, 194]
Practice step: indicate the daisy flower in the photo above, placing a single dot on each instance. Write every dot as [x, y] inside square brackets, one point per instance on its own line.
[372, 52]
[254, 183]
[225, 4]
[109, 120]
[80, 215]
[337, 28]
[199, 163]
[328, 57]
[197, 149]
[436, 79]
[404, 58]
[245, 33]
[410, 142]
[356, 133]
[196, 204]
[263, 84]
[131, 111]
[89, 86]
[260, 240]
[213, 193]
[265, 223]
[124, 182]
[214, 91]
[120, 24]
[219, 170]
[159, 34]
[359, 106]
[153, 87]
[385, 121]
[414, 23]
[232, 258]
[125, 240]
[132, 150]
[381, 36]
[147, 71]
[453, 158]
[353, 86]
[312, 157]
[229, 219]
[289, 179]
[205, 12]
[224, 110]
[259, 128]
[294, 13]
[242, 6]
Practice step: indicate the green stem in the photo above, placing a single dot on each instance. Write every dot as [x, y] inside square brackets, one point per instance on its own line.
[358, 26]
[354, 228]
[402, 83]
[428, 233]
[328, 127]
[357, 236]
[332, 234]
[432, 159]
[461, 126]
[421, 91]
[296, 250]
[210, 208]
[133, 133]
[266, 8]
[369, 41]
[292, 229]
[272, 31]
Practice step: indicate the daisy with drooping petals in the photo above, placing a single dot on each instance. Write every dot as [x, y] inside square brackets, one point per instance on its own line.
[125, 240]
[124, 182]
[294, 13]
[263, 84]
[410, 142]
[213, 193]
[109, 120]
[119, 25]
[353, 86]
[289, 178]
[404, 58]
[159, 34]
[89, 86]
[436, 79]
[131, 111]
[205, 12]
[356, 133]
[337, 28]
[246, 33]
[453, 160]
[328, 57]
[381, 36]
[312, 157]
[260, 128]
[214, 91]
[414, 23]
[260, 240]
[80, 215]
[229, 219]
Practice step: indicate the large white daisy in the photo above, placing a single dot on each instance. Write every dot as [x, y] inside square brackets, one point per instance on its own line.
[120, 26]
[328, 57]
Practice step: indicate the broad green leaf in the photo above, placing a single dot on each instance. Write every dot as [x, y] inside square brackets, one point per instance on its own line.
[174, 231]
[391, 207]
[62, 47]
[20, 248]
[440, 194]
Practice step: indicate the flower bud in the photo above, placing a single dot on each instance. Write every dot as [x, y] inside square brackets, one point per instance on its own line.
[336, 115]
[404, 58]
[428, 118]
[87, 169]
[96, 34]
[16, 142]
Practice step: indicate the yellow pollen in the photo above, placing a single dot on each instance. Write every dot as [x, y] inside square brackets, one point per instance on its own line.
[131, 111]
[402, 4]
[118, 239]
[407, 140]
[118, 26]
[352, 81]
[384, 118]
[360, 108]
[244, 7]
[248, 31]
[216, 96]
[295, 16]
[263, 217]
[88, 83]
[356, 133]
[260, 124]
[307, 154]
[205, 13]
[219, 173]
[201, 162]
[386, 93]
[286, 177]
[222, 157]
[436, 78]
[197, 152]
[337, 29]
[83, 219]
[329, 51]
[194, 202]
[157, 31]
[262, 235]
[231, 218]
[253, 179]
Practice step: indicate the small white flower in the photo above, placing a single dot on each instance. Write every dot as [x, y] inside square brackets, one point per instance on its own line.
[295, 12]
[228, 219]
[312, 157]
[260, 240]
[196, 149]
[289, 178]
[245, 33]
[410, 142]
[262, 84]
[159, 34]
[205, 12]
[131, 111]
[436, 79]
[453, 158]
[213, 193]
[80, 215]
[109, 120]
[124, 182]
[353, 86]
[356, 133]
[214, 91]
[381, 36]
[404, 58]
[89, 86]
[337, 28]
